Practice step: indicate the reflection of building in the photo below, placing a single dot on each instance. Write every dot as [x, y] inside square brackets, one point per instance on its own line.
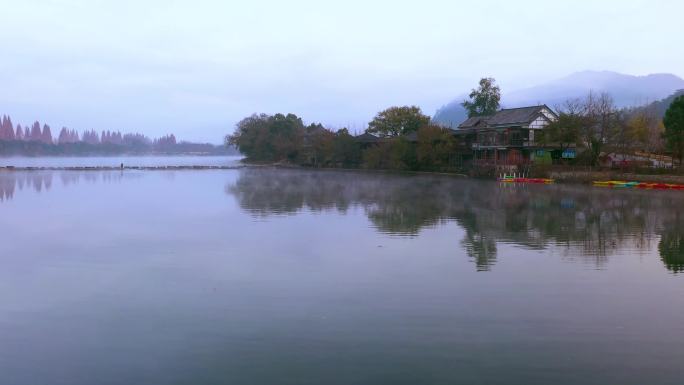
[508, 137]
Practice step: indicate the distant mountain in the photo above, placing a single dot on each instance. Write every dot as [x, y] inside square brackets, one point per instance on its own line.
[626, 90]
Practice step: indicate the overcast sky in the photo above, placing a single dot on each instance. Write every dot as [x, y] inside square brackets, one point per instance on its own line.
[194, 68]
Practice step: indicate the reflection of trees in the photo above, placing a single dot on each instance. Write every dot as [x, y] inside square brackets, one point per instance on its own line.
[400, 206]
[590, 223]
[268, 193]
[479, 247]
[671, 248]
[12, 182]
[7, 187]
[671, 245]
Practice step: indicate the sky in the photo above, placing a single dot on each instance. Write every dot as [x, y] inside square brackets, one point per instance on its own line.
[195, 68]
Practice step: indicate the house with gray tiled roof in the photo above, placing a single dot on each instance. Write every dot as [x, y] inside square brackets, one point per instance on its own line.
[508, 136]
[367, 139]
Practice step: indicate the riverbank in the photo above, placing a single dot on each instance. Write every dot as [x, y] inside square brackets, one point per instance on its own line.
[559, 176]
[565, 175]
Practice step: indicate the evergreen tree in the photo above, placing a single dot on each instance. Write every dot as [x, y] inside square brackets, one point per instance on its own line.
[674, 128]
[46, 135]
[63, 136]
[36, 134]
[9, 129]
[3, 125]
[6, 128]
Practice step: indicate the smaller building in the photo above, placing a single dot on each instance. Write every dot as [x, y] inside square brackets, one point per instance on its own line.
[366, 140]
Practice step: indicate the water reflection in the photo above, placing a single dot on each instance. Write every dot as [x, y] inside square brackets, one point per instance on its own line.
[671, 245]
[11, 182]
[585, 223]
[42, 181]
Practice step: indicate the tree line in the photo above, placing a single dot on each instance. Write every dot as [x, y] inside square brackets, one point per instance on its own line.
[37, 139]
[32, 133]
[599, 128]
[408, 140]
[402, 138]
[44, 135]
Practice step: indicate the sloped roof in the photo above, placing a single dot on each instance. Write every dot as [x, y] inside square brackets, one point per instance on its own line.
[473, 122]
[366, 138]
[514, 116]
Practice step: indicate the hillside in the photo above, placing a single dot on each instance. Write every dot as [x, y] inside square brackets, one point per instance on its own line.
[659, 107]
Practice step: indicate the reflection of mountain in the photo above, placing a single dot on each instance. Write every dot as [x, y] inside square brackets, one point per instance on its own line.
[588, 222]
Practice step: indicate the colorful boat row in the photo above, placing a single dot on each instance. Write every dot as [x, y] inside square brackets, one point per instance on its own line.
[526, 180]
[628, 184]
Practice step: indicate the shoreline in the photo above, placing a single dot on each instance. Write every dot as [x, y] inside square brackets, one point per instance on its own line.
[580, 177]
[576, 177]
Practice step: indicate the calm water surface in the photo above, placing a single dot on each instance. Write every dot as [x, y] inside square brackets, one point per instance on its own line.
[259, 276]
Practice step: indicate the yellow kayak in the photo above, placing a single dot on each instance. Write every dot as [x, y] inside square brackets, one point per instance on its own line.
[614, 183]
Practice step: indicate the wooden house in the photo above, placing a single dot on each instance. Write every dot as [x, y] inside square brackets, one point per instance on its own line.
[507, 137]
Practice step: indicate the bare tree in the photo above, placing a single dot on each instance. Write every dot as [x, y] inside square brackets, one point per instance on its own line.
[600, 124]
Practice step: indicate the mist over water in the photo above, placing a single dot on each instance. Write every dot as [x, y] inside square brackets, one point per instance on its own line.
[263, 276]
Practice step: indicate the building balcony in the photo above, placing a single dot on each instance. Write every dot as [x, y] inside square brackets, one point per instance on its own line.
[511, 143]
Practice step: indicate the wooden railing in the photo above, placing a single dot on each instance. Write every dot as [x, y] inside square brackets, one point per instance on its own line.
[510, 143]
